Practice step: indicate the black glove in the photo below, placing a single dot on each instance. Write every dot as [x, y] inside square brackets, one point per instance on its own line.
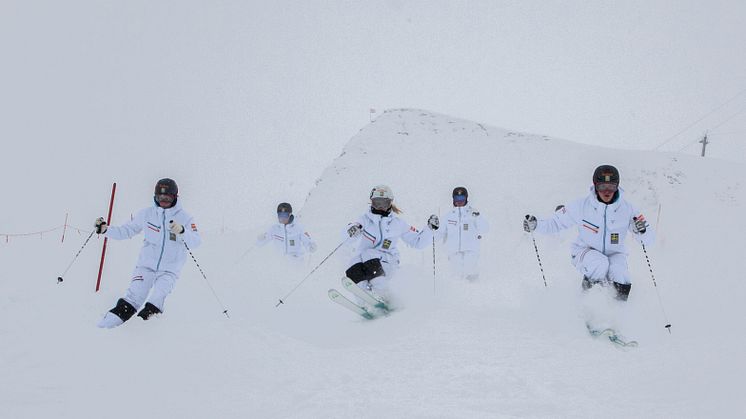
[640, 226]
[433, 222]
[529, 224]
[100, 225]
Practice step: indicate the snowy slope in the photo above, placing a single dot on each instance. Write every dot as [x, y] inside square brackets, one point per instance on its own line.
[505, 346]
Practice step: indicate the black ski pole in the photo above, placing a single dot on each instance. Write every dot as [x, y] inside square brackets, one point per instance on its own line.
[655, 285]
[225, 310]
[281, 300]
[60, 278]
[541, 267]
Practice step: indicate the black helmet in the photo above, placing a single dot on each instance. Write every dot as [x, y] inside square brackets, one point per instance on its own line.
[284, 207]
[460, 193]
[606, 174]
[166, 187]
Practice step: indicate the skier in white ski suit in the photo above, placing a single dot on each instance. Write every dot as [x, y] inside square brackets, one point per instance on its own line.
[603, 219]
[376, 257]
[288, 236]
[167, 228]
[462, 233]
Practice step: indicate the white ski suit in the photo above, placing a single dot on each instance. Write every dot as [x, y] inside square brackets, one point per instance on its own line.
[599, 252]
[462, 232]
[162, 255]
[378, 240]
[290, 239]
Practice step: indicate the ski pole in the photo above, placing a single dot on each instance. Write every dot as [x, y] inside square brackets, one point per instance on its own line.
[225, 310]
[249, 250]
[434, 277]
[539, 259]
[655, 285]
[309, 274]
[60, 278]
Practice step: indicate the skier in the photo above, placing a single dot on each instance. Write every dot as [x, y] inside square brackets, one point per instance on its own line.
[464, 229]
[603, 219]
[376, 257]
[167, 228]
[289, 236]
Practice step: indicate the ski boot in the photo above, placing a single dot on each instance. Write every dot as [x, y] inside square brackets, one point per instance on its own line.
[117, 315]
[148, 311]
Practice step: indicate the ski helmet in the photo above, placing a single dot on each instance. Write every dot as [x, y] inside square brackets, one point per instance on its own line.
[382, 191]
[381, 198]
[284, 207]
[606, 174]
[460, 194]
[166, 186]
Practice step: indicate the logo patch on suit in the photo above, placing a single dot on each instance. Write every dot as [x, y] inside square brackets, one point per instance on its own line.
[386, 244]
[292, 242]
[466, 227]
[614, 238]
[172, 237]
[194, 227]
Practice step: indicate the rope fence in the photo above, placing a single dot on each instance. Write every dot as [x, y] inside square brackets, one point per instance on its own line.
[41, 233]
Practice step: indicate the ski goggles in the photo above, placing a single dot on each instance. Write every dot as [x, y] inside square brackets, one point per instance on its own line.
[606, 187]
[165, 198]
[283, 215]
[459, 198]
[380, 204]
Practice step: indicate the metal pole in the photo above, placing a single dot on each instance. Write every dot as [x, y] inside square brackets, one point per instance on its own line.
[704, 143]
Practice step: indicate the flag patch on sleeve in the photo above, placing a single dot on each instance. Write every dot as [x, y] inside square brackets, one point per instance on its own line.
[194, 227]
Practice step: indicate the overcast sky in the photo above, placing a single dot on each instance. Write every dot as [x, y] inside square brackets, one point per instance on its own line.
[245, 102]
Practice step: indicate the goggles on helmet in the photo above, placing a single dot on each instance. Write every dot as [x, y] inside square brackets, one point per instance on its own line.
[380, 204]
[606, 187]
[165, 198]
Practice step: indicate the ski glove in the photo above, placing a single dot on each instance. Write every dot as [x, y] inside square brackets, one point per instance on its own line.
[640, 226]
[100, 225]
[433, 222]
[355, 230]
[175, 227]
[529, 224]
[474, 213]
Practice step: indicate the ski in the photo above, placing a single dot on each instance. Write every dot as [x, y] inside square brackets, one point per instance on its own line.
[340, 299]
[368, 296]
[613, 337]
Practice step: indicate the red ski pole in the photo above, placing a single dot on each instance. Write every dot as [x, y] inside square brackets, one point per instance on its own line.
[103, 251]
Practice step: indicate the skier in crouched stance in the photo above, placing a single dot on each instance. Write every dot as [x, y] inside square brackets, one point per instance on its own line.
[376, 257]
[167, 227]
[603, 218]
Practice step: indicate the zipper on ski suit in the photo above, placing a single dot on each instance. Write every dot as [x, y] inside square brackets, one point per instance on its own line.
[604, 237]
[163, 242]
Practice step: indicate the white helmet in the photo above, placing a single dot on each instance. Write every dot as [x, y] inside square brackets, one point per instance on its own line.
[382, 191]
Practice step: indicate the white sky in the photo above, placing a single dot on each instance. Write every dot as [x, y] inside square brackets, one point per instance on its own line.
[254, 98]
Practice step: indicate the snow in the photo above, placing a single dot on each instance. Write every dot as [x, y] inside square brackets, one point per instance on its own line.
[504, 346]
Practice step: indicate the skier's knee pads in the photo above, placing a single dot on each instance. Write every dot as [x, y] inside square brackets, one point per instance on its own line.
[148, 311]
[622, 291]
[123, 310]
[365, 271]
